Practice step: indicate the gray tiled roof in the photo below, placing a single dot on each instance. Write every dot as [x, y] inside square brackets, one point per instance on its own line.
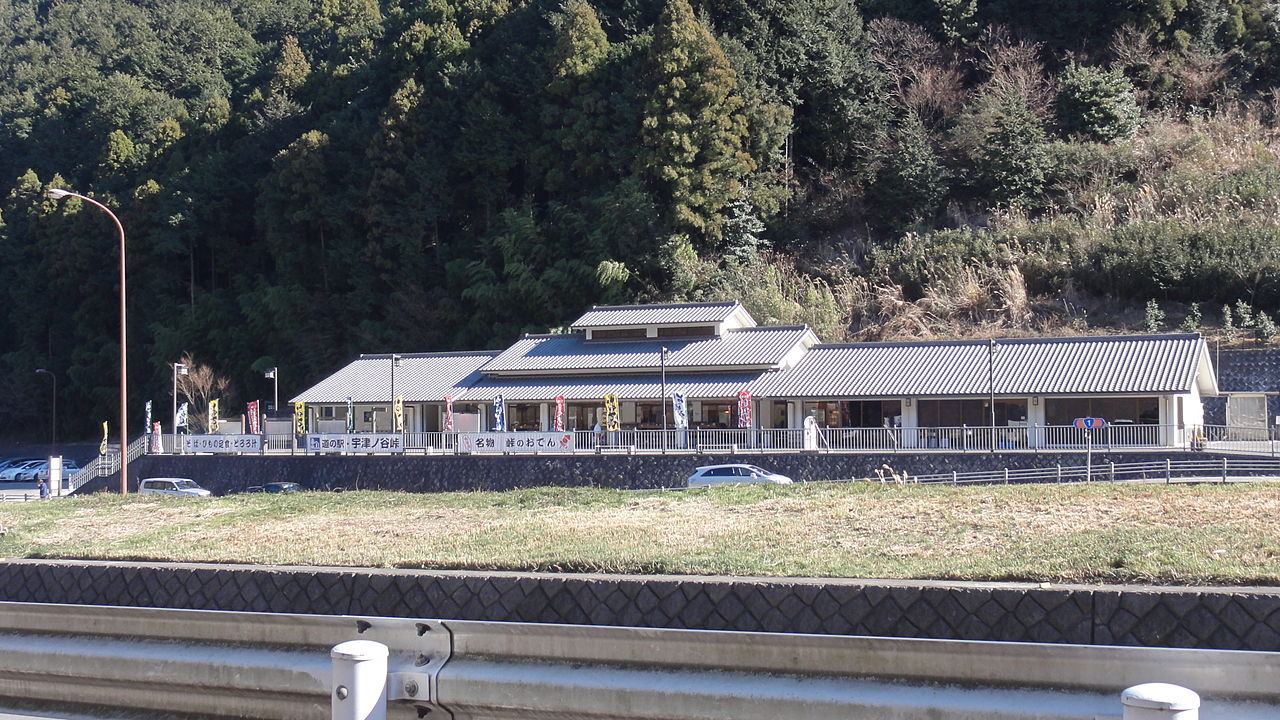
[1023, 366]
[673, 314]
[635, 387]
[762, 347]
[421, 377]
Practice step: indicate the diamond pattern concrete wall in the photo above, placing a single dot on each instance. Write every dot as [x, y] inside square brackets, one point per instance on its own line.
[1222, 618]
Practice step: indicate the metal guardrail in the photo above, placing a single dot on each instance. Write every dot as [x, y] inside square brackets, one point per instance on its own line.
[1221, 469]
[142, 662]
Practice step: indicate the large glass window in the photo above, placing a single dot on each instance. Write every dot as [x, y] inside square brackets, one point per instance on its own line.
[524, 416]
[619, 334]
[972, 412]
[582, 416]
[690, 331]
[855, 413]
[649, 416]
[1122, 410]
[719, 415]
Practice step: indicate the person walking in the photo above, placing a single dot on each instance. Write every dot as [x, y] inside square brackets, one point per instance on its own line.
[43, 487]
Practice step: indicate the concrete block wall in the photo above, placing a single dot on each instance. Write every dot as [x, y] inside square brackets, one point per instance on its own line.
[423, 473]
[1217, 618]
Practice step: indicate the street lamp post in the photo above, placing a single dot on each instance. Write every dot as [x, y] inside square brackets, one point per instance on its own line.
[275, 393]
[178, 369]
[58, 194]
[991, 386]
[663, 401]
[395, 362]
[53, 423]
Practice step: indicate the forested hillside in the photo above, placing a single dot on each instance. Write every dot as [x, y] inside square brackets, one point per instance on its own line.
[303, 180]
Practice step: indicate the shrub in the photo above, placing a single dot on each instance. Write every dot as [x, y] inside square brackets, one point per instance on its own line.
[1097, 103]
[1264, 328]
[1191, 323]
[1155, 317]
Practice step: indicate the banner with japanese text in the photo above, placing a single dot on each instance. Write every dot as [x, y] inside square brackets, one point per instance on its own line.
[300, 418]
[255, 417]
[221, 443]
[744, 409]
[680, 409]
[351, 415]
[612, 418]
[448, 413]
[213, 416]
[146, 418]
[102, 449]
[397, 414]
[157, 438]
[182, 420]
[516, 442]
[355, 443]
[499, 414]
[558, 424]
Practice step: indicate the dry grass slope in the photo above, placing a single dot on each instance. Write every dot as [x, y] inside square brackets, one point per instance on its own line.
[1058, 533]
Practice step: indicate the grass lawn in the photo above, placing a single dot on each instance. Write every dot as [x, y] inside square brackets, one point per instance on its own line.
[1180, 534]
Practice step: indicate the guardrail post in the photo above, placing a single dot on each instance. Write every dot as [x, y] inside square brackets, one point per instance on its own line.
[1168, 471]
[954, 478]
[1224, 470]
[1113, 471]
[1006, 476]
[359, 680]
[1059, 472]
[1160, 701]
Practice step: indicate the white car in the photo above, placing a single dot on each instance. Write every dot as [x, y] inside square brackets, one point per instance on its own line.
[172, 486]
[719, 474]
[18, 471]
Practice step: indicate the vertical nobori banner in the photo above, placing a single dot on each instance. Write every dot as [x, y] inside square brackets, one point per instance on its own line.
[680, 410]
[448, 413]
[558, 425]
[499, 414]
[255, 419]
[612, 420]
[182, 421]
[157, 438]
[351, 415]
[397, 414]
[146, 425]
[300, 418]
[102, 449]
[744, 409]
[213, 417]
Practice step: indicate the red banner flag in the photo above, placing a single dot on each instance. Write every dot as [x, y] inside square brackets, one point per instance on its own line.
[744, 409]
[255, 418]
[448, 413]
[559, 419]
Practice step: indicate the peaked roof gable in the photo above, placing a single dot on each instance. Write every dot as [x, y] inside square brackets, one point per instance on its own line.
[420, 377]
[666, 314]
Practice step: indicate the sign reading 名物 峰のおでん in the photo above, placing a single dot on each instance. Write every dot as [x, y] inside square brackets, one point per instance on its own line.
[515, 442]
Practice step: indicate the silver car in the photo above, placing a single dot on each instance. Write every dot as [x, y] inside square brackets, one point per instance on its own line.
[172, 486]
[720, 474]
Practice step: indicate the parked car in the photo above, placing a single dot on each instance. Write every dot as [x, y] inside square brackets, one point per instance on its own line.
[11, 462]
[14, 472]
[719, 474]
[69, 468]
[172, 486]
[274, 487]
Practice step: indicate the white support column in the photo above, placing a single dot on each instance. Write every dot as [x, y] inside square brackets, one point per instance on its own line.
[359, 680]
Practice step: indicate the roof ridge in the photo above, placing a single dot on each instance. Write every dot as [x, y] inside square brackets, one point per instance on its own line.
[1018, 340]
[717, 303]
[443, 353]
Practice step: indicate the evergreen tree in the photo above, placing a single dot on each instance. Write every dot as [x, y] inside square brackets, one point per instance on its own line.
[1097, 103]
[1013, 160]
[693, 127]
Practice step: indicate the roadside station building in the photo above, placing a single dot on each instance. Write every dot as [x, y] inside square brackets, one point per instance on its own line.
[1008, 393]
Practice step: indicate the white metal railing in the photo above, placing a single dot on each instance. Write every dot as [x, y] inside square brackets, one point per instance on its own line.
[1202, 469]
[833, 439]
[145, 662]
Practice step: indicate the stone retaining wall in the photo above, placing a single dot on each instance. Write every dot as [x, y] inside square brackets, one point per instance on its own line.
[1218, 618]
[424, 473]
